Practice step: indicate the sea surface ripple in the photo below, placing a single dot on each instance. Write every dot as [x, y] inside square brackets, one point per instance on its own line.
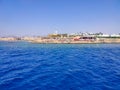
[27, 66]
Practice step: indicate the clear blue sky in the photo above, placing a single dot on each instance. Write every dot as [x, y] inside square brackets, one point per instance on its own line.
[40, 17]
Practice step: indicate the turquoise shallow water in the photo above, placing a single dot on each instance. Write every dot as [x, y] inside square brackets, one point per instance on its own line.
[27, 66]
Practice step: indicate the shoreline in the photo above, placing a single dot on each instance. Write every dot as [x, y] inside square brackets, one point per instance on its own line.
[60, 42]
[41, 40]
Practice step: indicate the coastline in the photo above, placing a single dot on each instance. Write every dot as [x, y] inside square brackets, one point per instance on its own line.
[65, 40]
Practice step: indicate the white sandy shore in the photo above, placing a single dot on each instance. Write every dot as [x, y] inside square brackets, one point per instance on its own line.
[64, 40]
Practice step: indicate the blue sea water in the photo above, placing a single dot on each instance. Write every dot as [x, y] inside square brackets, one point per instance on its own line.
[27, 66]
